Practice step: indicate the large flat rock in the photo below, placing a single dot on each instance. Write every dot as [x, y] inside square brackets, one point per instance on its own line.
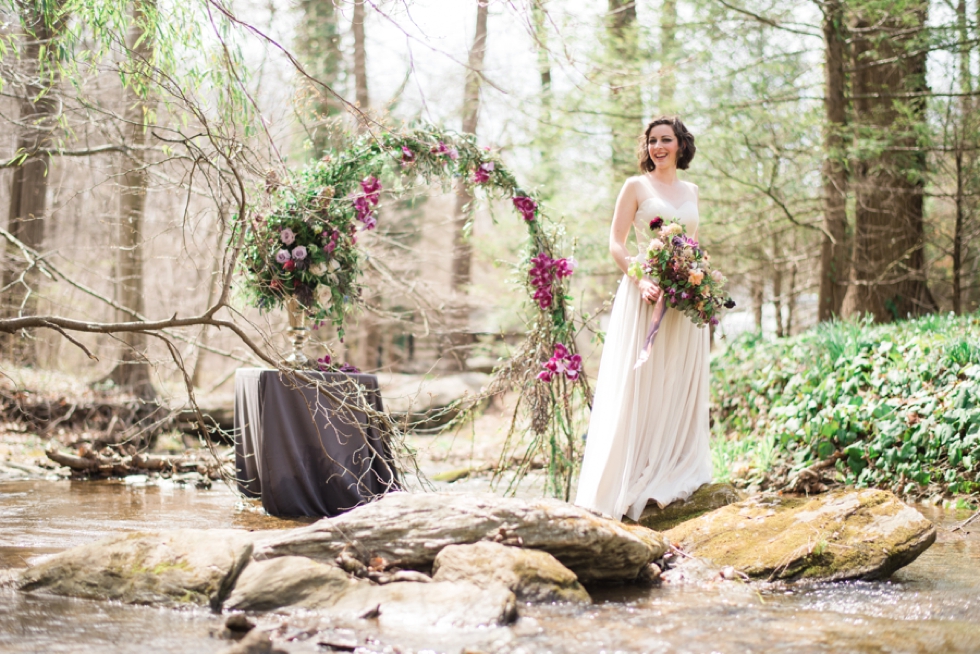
[288, 581]
[408, 530]
[533, 575]
[846, 534]
[185, 566]
[423, 606]
[707, 498]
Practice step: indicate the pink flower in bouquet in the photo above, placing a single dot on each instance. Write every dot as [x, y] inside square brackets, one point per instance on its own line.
[299, 253]
[656, 245]
[289, 266]
[287, 236]
[282, 256]
[482, 174]
[717, 277]
[526, 206]
[695, 277]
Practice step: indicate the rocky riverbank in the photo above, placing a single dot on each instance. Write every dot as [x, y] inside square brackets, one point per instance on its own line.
[437, 561]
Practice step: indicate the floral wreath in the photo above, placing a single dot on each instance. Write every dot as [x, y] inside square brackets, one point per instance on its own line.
[305, 248]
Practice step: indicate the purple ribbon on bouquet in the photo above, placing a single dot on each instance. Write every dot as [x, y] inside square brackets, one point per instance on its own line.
[659, 309]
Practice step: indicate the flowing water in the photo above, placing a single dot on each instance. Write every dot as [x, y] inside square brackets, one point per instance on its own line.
[933, 605]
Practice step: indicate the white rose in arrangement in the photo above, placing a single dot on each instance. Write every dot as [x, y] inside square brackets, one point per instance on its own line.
[333, 266]
[332, 279]
[656, 245]
[673, 229]
[319, 269]
[323, 295]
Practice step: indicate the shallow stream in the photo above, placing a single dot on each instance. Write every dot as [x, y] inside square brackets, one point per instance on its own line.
[932, 605]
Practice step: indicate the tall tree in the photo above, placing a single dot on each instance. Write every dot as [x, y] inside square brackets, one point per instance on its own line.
[360, 57]
[888, 264]
[835, 249]
[41, 21]
[963, 159]
[668, 46]
[462, 212]
[318, 45]
[132, 372]
[626, 111]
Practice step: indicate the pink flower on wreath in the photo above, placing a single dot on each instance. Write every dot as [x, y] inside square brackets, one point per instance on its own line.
[287, 236]
[282, 256]
[372, 188]
[482, 174]
[526, 206]
[562, 362]
[445, 150]
[299, 253]
[408, 157]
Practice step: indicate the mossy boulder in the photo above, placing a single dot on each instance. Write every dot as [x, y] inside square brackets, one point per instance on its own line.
[171, 568]
[532, 575]
[846, 534]
[408, 530]
[707, 498]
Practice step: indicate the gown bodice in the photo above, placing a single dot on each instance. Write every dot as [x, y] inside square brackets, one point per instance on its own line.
[686, 214]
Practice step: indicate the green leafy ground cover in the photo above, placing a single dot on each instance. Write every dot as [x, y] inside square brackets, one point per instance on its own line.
[892, 406]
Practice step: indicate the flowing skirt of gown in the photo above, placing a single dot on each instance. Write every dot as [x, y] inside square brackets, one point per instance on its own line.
[648, 435]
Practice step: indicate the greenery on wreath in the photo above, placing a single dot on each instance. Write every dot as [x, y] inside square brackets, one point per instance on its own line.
[304, 247]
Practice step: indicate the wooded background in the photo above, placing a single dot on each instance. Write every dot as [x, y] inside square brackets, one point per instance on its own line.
[837, 163]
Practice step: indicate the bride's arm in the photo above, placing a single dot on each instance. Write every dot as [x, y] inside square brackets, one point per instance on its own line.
[626, 205]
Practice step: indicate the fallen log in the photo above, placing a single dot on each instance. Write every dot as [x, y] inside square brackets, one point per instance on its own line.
[80, 463]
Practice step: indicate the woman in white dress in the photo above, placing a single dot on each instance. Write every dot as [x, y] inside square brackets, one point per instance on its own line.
[648, 435]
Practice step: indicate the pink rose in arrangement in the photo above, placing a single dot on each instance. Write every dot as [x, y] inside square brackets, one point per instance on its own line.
[562, 362]
[282, 256]
[526, 206]
[289, 266]
[287, 236]
[299, 253]
[482, 174]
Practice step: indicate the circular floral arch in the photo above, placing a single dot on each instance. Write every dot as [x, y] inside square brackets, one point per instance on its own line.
[305, 249]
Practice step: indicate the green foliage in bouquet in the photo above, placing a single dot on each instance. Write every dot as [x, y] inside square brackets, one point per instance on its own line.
[683, 271]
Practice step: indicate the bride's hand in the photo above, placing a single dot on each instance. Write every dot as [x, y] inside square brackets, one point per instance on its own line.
[649, 291]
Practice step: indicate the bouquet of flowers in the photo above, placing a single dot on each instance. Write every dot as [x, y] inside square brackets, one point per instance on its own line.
[683, 271]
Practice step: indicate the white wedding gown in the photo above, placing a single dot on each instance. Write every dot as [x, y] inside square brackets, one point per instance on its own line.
[648, 435]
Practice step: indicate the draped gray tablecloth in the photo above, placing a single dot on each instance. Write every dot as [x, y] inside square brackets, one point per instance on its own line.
[309, 451]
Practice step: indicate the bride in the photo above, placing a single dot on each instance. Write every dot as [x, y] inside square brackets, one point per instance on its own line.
[648, 435]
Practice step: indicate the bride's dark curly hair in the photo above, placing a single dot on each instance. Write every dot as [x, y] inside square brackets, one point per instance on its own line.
[685, 142]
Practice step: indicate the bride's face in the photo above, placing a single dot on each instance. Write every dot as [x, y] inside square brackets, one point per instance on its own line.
[662, 146]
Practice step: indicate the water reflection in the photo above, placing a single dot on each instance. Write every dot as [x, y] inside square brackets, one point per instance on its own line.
[932, 605]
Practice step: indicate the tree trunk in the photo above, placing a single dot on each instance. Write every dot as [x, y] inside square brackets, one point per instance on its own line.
[758, 298]
[834, 254]
[318, 45]
[668, 40]
[626, 110]
[360, 57]
[964, 163]
[29, 182]
[132, 372]
[462, 248]
[777, 284]
[888, 264]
